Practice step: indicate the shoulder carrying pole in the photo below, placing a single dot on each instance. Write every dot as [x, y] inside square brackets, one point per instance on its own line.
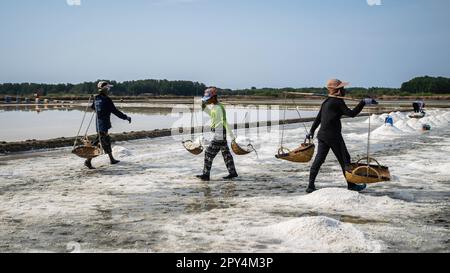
[321, 95]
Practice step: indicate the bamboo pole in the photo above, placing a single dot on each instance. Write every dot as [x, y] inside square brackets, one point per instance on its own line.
[321, 95]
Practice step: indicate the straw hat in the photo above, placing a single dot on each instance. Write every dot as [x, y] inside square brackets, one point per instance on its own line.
[210, 93]
[334, 85]
[104, 85]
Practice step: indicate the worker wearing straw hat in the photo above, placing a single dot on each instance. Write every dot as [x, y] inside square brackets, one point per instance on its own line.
[220, 127]
[330, 136]
[104, 107]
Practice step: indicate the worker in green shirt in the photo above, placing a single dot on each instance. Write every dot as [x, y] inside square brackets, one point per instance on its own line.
[220, 127]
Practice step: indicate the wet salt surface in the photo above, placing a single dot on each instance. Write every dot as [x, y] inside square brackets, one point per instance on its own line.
[150, 202]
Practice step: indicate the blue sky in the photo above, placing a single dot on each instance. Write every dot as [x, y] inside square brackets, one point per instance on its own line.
[228, 43]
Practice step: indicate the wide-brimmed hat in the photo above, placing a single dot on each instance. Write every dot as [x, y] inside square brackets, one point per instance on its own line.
[104, 84]
[334, 85]
[209, 94]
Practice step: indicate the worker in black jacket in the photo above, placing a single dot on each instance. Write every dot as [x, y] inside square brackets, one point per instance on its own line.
[330, 136]
[419, 106]
[104, 107]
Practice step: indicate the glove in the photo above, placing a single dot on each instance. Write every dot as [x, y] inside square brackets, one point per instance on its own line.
[203, 105]
[370, 101]
[310, 136]
[129, 119]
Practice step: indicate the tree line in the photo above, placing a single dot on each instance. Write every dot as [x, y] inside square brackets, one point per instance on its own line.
[127, 88]
[418, 86]
[421, 85]
[434, 85]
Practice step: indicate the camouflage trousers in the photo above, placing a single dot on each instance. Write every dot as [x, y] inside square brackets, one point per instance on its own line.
[212, 151]
[105, 140]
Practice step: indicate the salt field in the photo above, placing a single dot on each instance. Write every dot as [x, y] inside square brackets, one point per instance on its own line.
[151, 202]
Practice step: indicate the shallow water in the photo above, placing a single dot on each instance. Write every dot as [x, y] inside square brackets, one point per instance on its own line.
[19, 123]
[150, 202]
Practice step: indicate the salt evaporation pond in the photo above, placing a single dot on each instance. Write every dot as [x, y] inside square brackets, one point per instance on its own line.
[19, 123]
[151, 201]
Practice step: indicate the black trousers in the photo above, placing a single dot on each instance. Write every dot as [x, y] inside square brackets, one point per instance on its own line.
[340, 151]
[105, 140]
[416, 107]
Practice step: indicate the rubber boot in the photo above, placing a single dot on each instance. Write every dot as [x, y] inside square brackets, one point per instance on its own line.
[355, 187]
[311, 188]
[231, 176]
[88, 164]
[112, 160]
[203, 177]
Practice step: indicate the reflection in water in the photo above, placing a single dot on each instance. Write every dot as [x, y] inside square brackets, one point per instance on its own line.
[38, 108]
[20, 123]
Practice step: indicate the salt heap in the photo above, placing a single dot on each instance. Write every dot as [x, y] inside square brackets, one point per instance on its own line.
[350, 202]
[121, 152]
[320, 234]
[386, 131]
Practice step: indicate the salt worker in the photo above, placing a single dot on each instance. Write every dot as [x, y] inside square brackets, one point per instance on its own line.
[220, 128]
[329, 135]
[419, 106]
[104, 106]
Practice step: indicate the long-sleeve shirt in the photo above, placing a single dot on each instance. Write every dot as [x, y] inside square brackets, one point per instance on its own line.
[219, 119]
[420, 103]
[104, 106]
[329, 118]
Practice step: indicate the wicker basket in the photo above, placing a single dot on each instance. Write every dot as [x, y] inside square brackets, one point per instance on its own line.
[302, 154]
[240, 151]
[364, 173]
[191, 147]
[87, 151]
